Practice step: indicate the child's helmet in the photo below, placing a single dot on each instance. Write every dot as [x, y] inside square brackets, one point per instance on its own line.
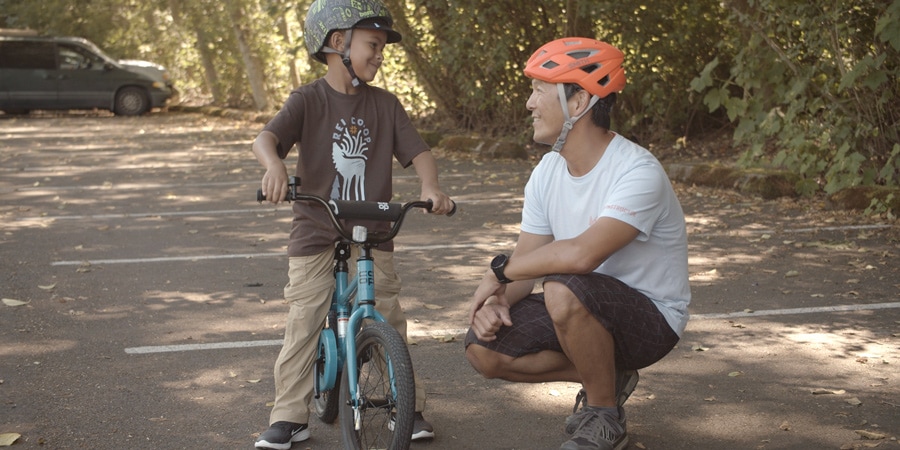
[595, 66]
[325, 16]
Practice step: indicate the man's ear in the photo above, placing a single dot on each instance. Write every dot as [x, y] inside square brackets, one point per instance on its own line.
[582, 100]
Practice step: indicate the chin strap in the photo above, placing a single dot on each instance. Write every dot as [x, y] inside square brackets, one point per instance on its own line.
[570, 121]
[354, 80]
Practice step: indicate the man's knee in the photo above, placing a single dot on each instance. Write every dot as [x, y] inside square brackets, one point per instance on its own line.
[488, 363]
[561, 302]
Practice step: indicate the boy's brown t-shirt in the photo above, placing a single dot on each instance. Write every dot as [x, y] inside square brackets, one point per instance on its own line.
[346, 145]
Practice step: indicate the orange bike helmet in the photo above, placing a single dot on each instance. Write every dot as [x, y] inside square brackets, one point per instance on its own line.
[595, 66]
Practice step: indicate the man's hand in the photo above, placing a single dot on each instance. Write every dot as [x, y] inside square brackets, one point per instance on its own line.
[490, 308]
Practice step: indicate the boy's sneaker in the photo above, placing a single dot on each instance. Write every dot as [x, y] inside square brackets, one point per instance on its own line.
[597, 429]
[626, 381]
[280, 435]
[422, 429]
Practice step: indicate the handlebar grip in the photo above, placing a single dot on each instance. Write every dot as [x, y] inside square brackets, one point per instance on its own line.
[260, 197]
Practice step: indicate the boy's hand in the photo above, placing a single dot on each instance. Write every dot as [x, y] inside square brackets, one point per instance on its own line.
[275, 183]
[441, 203]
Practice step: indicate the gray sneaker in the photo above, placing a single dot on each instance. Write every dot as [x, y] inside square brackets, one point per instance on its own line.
[626, 381]
[596, 429]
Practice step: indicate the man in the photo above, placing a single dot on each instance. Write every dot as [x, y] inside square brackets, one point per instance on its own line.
[603, 229]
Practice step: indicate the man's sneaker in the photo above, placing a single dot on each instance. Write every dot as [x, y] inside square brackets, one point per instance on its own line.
[422, 429]
[280, 435]
[626, 381]
[597, 429]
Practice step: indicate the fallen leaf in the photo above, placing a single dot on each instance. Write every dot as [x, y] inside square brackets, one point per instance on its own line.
[735, 373]
[445, 339]
[699, 348]
[270, 404]
[709, 399]
[47, 287]
[870, 435]
[791, 274]
[253, 381]
[854, 401]
[14, 302]
[785, 426]
[7, 439]
[430, 306]
[821, 391]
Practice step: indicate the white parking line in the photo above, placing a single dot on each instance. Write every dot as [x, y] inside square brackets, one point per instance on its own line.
[402, 248]
[459, 331]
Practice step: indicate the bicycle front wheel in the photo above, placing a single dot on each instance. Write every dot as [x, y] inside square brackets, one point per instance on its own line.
[386, 389]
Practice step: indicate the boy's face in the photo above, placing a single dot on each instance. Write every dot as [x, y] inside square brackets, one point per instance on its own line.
[546, 112]
[366, 52]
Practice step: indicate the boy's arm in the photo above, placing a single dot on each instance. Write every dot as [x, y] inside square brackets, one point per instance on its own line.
[275, 180]
[426, 169]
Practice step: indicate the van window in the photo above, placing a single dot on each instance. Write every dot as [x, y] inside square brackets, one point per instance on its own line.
[27, 55]
[73, 57]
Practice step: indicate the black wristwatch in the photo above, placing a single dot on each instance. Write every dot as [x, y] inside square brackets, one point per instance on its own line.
[497, 265]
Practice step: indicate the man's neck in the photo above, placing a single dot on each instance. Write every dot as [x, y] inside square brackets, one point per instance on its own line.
[583, 151]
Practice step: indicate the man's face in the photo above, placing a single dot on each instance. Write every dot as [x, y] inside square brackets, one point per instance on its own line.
[546, 112]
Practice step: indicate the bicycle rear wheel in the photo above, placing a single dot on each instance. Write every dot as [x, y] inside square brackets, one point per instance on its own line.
[386, 389]
[327, 377]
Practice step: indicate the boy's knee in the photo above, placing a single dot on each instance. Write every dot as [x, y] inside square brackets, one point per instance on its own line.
[486, 362]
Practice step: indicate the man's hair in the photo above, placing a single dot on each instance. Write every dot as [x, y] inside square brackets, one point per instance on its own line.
[600, 112]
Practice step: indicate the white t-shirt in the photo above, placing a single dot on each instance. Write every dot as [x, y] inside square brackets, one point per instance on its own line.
[630, 185]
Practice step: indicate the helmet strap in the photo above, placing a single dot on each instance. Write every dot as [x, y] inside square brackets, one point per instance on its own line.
[570, 121]
[354, 80]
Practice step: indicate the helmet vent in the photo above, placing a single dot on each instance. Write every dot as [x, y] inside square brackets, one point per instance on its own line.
[603, 81]
[549, 65]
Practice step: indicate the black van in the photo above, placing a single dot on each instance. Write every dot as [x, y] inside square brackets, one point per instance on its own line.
[72, 73]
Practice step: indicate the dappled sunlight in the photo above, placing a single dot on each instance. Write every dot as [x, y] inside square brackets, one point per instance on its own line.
[27, 348]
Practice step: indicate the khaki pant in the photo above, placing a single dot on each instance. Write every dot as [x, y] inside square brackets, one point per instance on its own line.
[308, 292]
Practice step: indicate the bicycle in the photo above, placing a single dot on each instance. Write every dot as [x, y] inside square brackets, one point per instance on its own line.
[378, 409]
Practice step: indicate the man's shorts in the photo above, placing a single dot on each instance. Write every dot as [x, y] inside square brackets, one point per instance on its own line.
[641, 334]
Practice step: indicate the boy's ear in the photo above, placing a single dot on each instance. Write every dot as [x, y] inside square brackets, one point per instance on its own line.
[336, 41]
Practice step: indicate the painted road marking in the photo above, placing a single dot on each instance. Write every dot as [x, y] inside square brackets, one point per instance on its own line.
[459, 331]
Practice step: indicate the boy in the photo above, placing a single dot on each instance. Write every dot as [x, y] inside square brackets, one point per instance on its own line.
[347, 134]
[602, 227]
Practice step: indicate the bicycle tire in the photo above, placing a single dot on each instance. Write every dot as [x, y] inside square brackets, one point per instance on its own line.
[327, 398]
[386, 420]
[328, 404]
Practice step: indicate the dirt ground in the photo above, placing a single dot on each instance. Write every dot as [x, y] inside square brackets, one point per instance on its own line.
[141, 288]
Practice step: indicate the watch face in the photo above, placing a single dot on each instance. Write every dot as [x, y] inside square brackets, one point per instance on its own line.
[499, 261]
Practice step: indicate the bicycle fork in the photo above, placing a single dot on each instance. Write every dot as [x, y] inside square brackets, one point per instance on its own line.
[365, 298]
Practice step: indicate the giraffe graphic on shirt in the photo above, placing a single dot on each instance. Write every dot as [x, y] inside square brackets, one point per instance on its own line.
[348, 151]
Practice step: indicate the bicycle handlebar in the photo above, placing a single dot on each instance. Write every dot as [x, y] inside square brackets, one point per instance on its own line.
[360, 210]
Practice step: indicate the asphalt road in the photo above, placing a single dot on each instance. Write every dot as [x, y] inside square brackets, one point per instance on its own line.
[146, 314]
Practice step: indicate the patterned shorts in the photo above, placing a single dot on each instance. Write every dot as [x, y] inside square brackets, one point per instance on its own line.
[641, 334]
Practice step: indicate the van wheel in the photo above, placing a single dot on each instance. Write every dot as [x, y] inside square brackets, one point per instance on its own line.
[131, 101]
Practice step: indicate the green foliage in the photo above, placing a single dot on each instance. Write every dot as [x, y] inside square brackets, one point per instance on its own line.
[812, 88]
[809, 87]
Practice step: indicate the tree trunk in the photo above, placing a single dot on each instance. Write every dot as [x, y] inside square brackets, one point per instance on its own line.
[252, 64]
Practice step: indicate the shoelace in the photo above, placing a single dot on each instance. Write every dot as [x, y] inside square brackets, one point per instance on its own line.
[597, 427]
